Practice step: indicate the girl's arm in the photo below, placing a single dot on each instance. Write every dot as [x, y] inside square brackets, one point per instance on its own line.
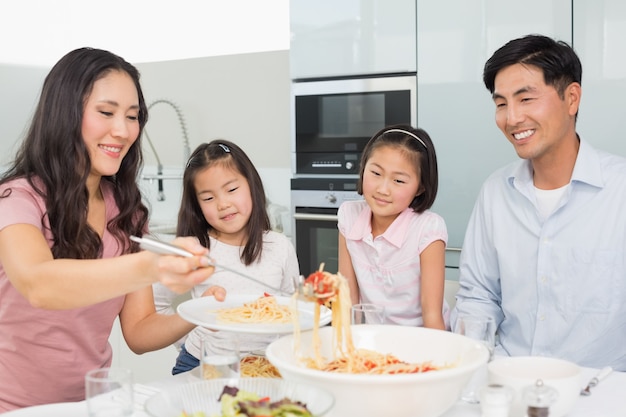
[69, 283]
[432, 260]
[146, 330]
[347, 270]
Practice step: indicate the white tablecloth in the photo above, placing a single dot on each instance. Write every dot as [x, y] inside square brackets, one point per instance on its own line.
[608, 399]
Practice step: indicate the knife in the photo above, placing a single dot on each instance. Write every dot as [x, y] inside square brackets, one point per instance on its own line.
[164, 248]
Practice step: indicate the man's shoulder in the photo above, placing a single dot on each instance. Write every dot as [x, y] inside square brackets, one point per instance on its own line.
[612, 161]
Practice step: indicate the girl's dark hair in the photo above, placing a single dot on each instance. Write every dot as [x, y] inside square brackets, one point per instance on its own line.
[558, 61]
[191, 221]
[55, 161]
[418, 146]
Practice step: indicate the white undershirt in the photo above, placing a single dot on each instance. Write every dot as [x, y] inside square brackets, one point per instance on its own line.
[547, 200]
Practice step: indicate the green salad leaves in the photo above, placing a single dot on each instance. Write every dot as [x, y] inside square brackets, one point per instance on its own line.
[239, 403]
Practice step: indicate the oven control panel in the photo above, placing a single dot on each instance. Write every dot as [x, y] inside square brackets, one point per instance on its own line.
[330, 163]
[323, 192]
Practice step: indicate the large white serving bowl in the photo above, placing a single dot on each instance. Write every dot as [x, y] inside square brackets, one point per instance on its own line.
[427, 394]
[519, 372]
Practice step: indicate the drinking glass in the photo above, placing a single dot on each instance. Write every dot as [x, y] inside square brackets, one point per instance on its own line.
[482, 329]
[367, 314]
[220, 356]
[109, 392]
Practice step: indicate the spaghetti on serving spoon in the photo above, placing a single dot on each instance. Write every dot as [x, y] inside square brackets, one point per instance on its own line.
[327, 289]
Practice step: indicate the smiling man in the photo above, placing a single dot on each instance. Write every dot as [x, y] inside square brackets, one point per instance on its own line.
[545, 248]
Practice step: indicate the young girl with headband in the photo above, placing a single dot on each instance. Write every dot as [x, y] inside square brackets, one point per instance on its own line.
[224, 207]
[391, 246]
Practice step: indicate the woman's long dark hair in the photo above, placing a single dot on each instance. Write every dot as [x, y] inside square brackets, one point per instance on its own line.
[55, 161]
[191, 221]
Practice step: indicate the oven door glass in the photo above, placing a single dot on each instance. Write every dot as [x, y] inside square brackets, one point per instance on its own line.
[345, 122]
[317, 239]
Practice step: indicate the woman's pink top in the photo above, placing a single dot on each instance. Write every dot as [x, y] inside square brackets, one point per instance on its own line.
[44, 354]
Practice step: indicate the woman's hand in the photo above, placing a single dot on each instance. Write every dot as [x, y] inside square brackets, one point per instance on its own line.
[180, 274]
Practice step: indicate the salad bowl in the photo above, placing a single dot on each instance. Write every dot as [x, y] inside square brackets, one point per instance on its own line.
[201, 398]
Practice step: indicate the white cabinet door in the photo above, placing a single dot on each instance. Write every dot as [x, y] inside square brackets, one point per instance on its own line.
[600, 41]
[148, 367]
[454, 39]
[351, 37]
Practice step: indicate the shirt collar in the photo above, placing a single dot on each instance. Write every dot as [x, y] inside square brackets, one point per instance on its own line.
[395, 233]
[362, 227]
[587, 169]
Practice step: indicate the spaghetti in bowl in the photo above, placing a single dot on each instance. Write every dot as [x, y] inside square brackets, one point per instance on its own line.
[450, 360]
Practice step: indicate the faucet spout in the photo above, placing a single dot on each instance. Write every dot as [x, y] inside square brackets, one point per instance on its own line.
[183, 126]
[186, 147]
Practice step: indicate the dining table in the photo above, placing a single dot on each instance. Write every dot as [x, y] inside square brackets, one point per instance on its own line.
[607, 399]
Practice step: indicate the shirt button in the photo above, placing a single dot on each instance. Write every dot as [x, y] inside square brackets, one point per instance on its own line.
[542, 317]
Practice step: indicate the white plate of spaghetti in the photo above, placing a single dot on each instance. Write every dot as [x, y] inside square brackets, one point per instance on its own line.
[251, 313]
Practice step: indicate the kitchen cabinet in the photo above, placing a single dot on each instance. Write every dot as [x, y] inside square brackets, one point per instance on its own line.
[454, 39]
[600, 41]
[150, 366]
[351, 37]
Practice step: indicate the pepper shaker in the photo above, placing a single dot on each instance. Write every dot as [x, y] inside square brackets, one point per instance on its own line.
[538, 399]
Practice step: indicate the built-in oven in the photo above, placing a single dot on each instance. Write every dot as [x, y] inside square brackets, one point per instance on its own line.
[314, 204]
[332, 119]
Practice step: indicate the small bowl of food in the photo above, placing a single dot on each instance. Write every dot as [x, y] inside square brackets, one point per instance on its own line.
[520, 372]
[241, 396]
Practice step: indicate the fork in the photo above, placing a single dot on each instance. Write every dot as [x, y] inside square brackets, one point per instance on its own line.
[596, 380]
[308, 291]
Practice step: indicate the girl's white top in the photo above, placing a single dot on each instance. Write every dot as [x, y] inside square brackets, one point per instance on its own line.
[277, 266]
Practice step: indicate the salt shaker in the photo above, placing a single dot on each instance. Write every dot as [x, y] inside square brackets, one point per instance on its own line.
[495, 400]
[538, 399]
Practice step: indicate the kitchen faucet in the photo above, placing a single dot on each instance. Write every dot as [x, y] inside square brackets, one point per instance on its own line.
[186, 149]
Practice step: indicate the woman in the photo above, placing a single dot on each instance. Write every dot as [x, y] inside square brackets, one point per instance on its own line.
[69, 203]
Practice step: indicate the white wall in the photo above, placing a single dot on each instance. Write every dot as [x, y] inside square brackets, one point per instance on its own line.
[39, 32]
[242, 98]
[19, 89]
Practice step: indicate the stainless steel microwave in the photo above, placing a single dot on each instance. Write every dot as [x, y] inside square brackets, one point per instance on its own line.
[332, 119]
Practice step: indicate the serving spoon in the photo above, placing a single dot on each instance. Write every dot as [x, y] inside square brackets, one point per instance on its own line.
[164, 248]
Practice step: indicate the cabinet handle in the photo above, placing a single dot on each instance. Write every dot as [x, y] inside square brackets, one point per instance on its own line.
[320, 217]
